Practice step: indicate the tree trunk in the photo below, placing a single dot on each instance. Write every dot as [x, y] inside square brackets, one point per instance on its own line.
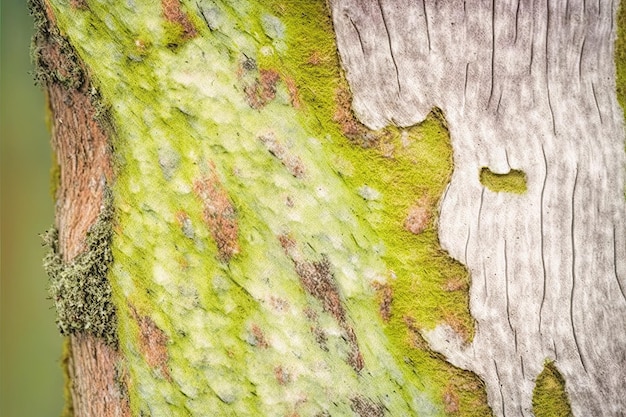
[231, 239]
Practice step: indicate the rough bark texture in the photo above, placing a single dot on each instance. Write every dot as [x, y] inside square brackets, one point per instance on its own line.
[83, 154]
[275, 256]
[530, 86]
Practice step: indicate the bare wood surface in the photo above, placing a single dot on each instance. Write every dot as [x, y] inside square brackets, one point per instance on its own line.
[525, 85]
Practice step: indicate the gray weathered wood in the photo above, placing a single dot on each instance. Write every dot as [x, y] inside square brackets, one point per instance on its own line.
[527, 85]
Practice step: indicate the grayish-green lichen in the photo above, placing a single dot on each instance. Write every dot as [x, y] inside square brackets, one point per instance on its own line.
[80, 290]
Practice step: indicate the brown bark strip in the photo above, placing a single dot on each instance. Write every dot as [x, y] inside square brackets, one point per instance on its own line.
[83, 153]
[318, 281]
[153, 344]
[219, 215]
[93, 377]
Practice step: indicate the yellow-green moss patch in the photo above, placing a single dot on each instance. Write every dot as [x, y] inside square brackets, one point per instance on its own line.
[512, 182]
[549, 396]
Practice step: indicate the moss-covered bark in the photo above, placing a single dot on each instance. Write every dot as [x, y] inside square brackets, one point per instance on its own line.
[272, 256]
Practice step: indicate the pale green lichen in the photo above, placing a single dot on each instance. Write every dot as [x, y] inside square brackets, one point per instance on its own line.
[549, 396]
[512, 182]
[79, 289]
[185, 113]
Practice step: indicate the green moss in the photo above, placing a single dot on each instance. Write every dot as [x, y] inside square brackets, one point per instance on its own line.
[80, 290]
[549, 396]
[512, 182]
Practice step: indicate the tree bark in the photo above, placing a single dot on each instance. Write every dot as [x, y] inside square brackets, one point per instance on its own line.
[231, 239]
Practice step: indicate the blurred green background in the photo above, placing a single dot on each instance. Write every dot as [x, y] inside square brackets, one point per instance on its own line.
[30, 346]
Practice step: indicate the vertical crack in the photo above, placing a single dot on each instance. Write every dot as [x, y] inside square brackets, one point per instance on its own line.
[542, 243]
[547, 72]
[619, 284]
[358, 34]
[469, 233]
[500, 385]
[580, 58]
[516, 21]
[493, 47]
[426, 20]
[506, 288]
[393, 58]
[465, 84]
[595, 98]
[573, 243]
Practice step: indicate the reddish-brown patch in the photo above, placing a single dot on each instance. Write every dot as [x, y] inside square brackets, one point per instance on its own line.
[292, 162]
[279, 304]
[318, 281]
[384, 295]
[316, 58]
[418, 217]
[454, 284]
[294, 96]
[152, 343]
[364, 407]
[287, 243]
[259, 337]
[174, 13]
[78, 4]
[263, 90]
[219, 215]
[350, 126]
[416, 340]
[458, 325]
[450, 400]
[281, 375]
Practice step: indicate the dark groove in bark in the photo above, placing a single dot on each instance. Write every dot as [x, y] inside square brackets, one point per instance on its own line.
[485, 280]
[543, 257]
[465, 84]
[516, 21]
[493, 48]
[573, 243]
[500, 385]
[358, 34]
[393, 58]
[506, 289]
[580, 58]
[547, 72]
[498, 106]
[480, 208]
[467, 240]
[595, 98]
[619, 284]
[426, 20]
[556, 356]
[521, 361]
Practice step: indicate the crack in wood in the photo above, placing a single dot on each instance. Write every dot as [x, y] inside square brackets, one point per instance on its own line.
[393, 57]
[595, 99]
[619, 284]
[358, 34]
[541, 237]
[573, 290]
[426, 21]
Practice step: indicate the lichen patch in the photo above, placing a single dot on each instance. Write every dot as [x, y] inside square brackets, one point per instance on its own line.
[219, 214]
